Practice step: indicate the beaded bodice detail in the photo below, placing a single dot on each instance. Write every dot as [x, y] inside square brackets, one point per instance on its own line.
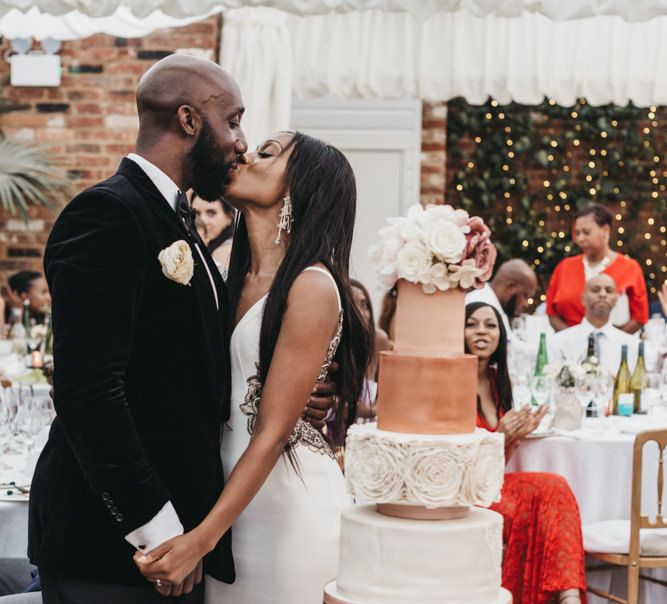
[304, 433]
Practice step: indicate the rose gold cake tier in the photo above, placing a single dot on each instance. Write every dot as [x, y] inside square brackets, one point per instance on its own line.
[421, 393]
[428, 322]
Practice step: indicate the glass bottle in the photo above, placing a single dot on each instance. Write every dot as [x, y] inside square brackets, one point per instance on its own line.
[638, 381]
[623, 398]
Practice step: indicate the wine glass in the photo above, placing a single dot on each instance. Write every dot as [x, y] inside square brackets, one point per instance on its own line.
[520, 390]
[584, 388]
[604, 386]
[519, 327]
[5, 433]
[10, 399]
[540, 388]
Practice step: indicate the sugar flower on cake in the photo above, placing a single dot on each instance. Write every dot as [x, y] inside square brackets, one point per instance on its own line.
[374, 469]
[433, 475]
[437, 246]
[483, 477]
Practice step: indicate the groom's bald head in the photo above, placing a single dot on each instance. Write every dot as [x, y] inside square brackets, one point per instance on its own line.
[189, 122]
[184, 80]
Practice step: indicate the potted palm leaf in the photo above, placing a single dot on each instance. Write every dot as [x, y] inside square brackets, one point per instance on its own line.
[27, 175]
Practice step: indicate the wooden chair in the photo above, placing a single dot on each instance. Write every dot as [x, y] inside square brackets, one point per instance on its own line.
[634, 561]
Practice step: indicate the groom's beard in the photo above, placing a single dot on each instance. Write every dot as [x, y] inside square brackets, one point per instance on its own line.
[510, 307]
[210, 170]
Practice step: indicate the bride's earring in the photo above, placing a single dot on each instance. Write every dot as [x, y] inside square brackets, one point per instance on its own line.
[285, 219]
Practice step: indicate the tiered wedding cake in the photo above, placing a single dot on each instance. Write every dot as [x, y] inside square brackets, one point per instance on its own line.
[425, 464]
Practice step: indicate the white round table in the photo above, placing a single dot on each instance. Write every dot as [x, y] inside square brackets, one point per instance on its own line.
[13, 509]
[596, 460]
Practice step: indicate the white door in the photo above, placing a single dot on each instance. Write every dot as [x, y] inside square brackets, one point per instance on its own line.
[382, 141]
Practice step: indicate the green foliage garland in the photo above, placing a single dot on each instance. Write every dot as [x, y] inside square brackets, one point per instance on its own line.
[527, 169]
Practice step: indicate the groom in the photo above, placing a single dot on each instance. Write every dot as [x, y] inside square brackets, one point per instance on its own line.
[142, 377]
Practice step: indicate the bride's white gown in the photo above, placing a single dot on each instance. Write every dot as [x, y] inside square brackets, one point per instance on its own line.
[285, 543]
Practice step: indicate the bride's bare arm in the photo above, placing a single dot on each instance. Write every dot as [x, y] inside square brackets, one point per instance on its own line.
[309, 322]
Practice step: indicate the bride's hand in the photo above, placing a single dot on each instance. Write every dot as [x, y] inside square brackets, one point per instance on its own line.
[172, 562]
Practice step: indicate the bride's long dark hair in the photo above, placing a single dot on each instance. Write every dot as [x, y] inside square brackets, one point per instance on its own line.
[322, 188]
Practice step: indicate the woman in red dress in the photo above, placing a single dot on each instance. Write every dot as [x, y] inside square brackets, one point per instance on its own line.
[544, 552]
[591, 233]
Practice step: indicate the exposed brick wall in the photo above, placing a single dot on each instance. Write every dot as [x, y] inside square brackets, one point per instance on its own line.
[87, 123]
[434, 152]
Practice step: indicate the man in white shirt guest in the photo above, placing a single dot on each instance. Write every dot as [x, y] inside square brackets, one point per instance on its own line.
[508, 292]
[599, 298]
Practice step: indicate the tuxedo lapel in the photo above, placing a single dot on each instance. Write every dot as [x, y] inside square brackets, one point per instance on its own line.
[211, 323]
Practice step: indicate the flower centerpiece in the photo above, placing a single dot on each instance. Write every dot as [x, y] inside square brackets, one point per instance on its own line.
[436, 246]
[566, 373]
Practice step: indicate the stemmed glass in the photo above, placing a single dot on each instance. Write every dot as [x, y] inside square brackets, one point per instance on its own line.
[520, 390]
[604, 386]
[540, 388]
[5, 433]
[10, 401]
[584, 389]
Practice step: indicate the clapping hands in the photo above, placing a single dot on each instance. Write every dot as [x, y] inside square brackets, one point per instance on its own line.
[516, 424]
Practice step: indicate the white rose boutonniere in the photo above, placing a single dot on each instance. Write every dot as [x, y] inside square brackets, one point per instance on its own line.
[177, 262]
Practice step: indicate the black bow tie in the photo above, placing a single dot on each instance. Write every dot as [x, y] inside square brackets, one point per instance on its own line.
[185, 211]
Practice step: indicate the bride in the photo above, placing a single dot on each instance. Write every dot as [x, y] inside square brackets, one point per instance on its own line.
[293, 315]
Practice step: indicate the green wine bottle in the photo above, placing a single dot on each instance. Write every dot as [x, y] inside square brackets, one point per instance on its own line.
[542, 357]
[48, 338]
[638, 381]
[623, 399]
[25, 317]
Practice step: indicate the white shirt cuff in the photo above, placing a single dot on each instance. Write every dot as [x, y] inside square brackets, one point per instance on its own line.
[164, 525]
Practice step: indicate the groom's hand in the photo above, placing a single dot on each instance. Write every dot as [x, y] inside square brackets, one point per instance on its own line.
[194, 578]
[322, 399]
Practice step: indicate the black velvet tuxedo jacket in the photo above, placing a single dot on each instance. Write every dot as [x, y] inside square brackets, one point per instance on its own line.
[141, 384]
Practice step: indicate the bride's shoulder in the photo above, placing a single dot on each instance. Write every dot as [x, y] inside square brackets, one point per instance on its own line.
[314, 290]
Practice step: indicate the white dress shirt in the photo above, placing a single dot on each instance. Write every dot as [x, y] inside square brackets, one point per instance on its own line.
[170, 192]
[165, 524]
[572, 344]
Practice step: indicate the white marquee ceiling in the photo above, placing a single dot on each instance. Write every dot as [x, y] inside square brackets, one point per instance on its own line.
[559, 10]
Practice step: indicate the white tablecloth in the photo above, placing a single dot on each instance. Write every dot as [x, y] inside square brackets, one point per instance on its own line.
[14, 514]
[597, 463]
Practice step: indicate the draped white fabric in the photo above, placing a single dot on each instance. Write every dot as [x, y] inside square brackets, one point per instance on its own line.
[631, 10]
[392, 55]
[76, 25]
[257, 50]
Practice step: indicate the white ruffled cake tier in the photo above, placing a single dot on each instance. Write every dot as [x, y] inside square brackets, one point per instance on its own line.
[429, 471]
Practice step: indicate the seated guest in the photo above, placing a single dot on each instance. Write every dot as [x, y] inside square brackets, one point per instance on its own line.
[366, 406]
[543, 548]
[380, 341]
[592, 231]
[508, 292]
[31, 286]
[215, 225]
[387, 312]
[598, 300]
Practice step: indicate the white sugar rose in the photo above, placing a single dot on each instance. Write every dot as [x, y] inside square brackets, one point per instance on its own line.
[483, 478]
[445, 239]
[413, 261]
[463, 275]
[433, 475]
[177, 262]
[445, 212]
[374, 468]
[415, 211]
[436, 279]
